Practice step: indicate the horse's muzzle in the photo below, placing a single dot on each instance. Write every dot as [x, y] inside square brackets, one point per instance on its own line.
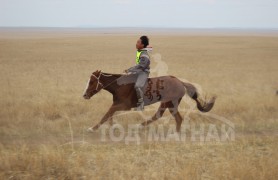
[85, 96]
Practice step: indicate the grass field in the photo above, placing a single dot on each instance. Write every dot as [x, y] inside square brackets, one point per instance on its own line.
[43, 116]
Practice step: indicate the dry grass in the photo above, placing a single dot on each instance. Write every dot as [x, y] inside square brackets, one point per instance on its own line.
[42, 81]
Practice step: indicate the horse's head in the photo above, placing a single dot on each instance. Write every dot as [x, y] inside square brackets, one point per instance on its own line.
[93, 85]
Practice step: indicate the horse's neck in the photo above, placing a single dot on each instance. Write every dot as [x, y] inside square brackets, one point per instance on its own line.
[109, 80]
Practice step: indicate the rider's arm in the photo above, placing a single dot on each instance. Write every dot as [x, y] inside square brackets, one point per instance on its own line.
[143, 64]
[134, 69]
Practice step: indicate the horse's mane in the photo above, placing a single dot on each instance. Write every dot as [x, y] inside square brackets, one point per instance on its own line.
[110, 74]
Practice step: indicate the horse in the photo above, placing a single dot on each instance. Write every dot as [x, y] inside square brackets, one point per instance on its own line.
[168, 90]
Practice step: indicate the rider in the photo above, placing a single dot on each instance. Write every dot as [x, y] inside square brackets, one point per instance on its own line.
[142, 69]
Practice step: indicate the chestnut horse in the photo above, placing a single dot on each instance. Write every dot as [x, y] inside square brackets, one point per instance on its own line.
[165, 89]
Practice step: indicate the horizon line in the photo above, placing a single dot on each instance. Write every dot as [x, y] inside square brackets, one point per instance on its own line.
[147, 27]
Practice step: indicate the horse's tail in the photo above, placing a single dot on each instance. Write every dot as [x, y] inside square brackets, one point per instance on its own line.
[202, 105]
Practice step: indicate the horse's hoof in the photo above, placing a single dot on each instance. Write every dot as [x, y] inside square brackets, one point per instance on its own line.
[91, 130]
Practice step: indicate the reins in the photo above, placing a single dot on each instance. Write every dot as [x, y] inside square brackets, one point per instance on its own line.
[100, 83]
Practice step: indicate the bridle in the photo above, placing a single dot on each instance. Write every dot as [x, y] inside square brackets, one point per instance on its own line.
[100, 83]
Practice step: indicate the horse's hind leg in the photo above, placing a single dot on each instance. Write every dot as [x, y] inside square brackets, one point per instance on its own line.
[178, 119]
[158, 114]
[175, 113]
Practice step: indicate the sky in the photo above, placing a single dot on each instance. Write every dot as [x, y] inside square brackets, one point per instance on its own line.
[143, 13]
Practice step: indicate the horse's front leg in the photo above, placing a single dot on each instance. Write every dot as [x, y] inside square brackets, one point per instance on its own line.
[107, 116]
